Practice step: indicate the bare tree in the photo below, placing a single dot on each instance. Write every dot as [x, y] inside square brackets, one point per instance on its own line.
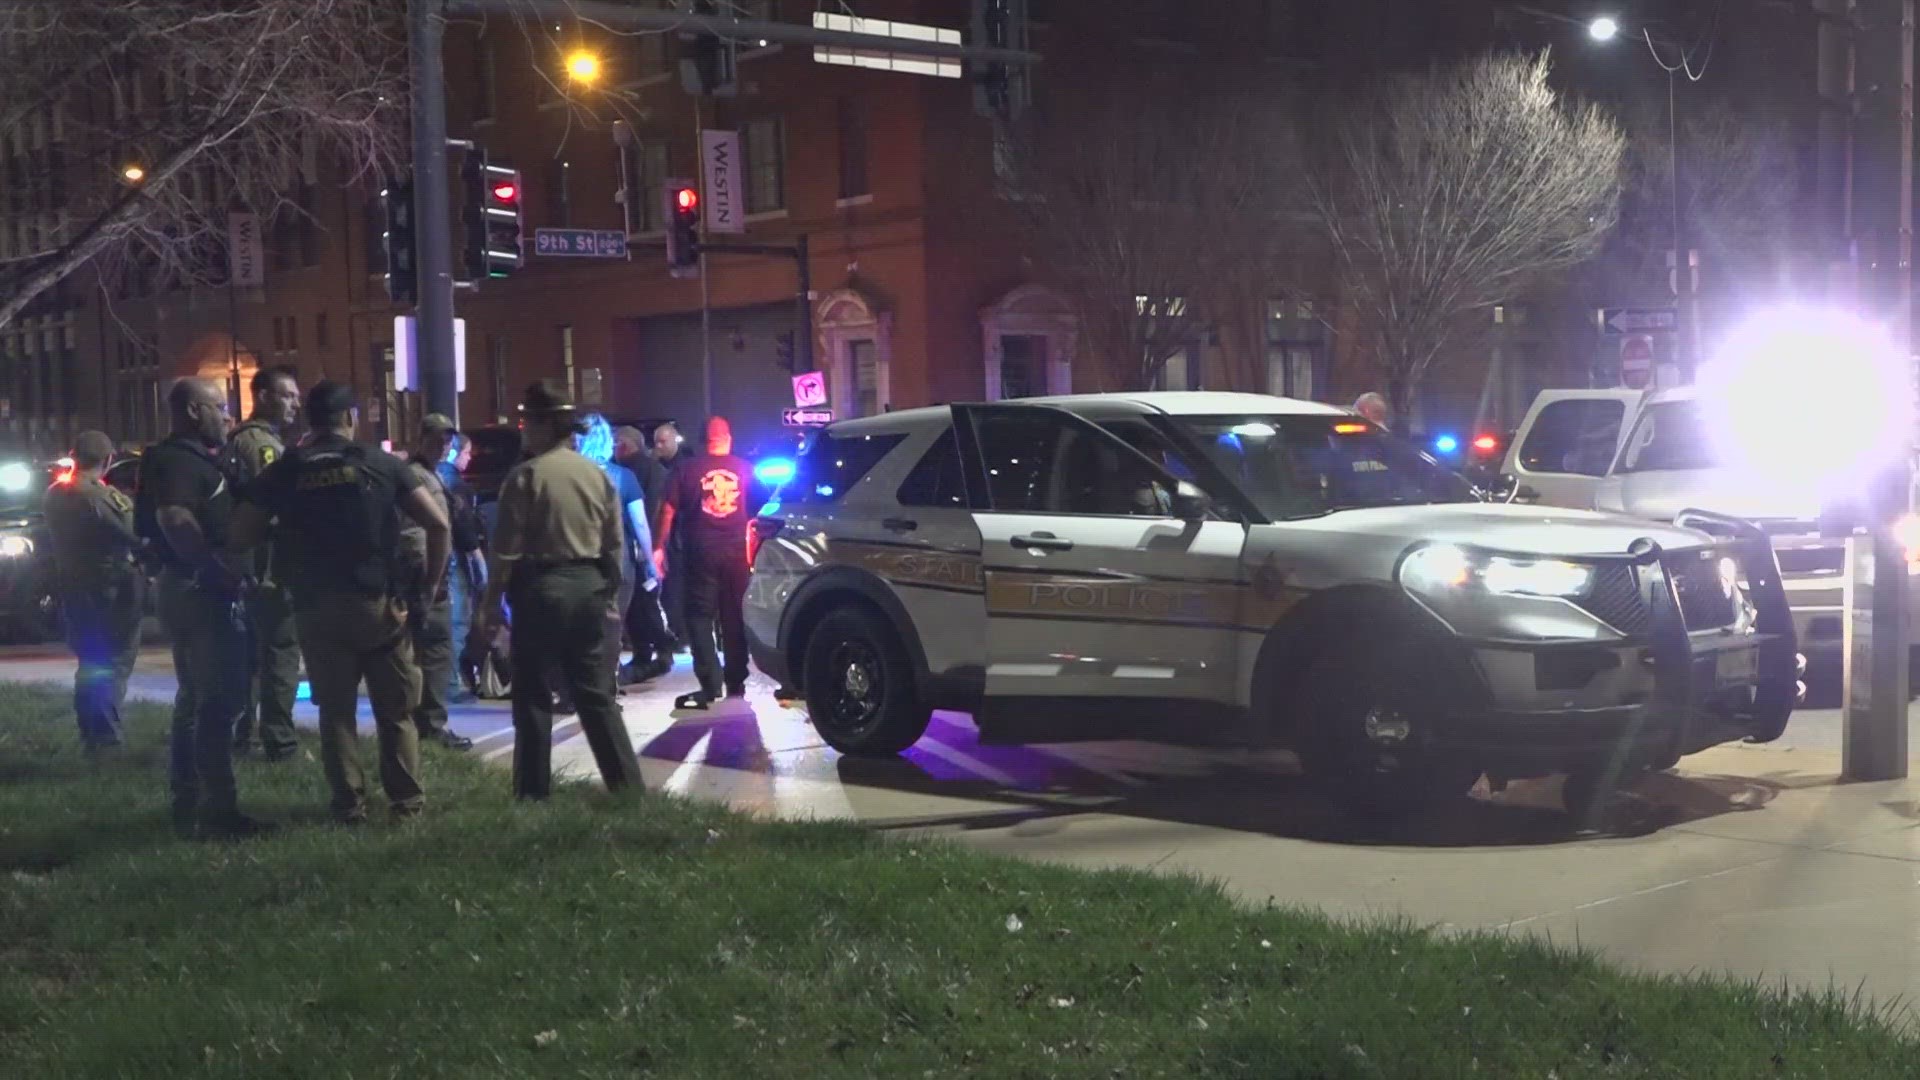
[165, 115]
[1151, 211]
[1452, 191]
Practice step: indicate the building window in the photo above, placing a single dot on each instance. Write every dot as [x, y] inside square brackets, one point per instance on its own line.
[863, 364]
[559, 198]
[307, 227]
[566, 358]
[763, 144]
[853, 149]
[647, 172]
[497, 372]
[648, 55]
[1023, 370]
[321, 338]
[485, 83]
[1296, 348]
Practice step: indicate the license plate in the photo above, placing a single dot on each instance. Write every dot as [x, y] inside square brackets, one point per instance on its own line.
[1738, 664]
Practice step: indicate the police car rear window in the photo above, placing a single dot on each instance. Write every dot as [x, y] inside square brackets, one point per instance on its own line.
[832, 465]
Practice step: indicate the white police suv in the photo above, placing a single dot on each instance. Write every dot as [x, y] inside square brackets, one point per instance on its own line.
[1204, 567]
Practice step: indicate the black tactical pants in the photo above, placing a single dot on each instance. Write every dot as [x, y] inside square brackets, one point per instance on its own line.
[562, 632]
[716, 588]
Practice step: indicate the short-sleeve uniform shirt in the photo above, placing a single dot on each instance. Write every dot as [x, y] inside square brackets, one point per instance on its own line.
[309, 530]
[91, 525]
[709, 497]
[557, 507]
[182, 472]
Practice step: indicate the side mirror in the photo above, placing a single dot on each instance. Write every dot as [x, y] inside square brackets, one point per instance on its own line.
[1190, 503]
[1525, 494]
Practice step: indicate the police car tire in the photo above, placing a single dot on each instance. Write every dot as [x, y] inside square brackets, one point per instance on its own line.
[1338, 690]
[899, 718]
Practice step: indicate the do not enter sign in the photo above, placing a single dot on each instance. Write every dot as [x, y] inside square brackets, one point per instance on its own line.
[1636, 361]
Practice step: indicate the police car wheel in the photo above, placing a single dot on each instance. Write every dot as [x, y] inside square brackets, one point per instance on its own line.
[1359, 695]
[859, 685]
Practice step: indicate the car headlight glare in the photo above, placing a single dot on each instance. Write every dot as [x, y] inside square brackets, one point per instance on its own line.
[15, 547]
[1444, 566]
[15, 477]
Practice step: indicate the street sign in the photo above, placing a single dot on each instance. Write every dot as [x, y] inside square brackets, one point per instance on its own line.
[806, 417]
[580, 243]
[1615, 320]
[244, 251]
[1636, 361]
[720, 169]
[810, 389]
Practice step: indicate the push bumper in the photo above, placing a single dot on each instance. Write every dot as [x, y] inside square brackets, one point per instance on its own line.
[1666, 692]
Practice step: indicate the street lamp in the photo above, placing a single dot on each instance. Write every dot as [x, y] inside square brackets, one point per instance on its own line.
[1603, 29]
[583, 67]
[133, 174]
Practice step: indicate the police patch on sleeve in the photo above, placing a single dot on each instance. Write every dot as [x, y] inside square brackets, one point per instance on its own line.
[267, 456]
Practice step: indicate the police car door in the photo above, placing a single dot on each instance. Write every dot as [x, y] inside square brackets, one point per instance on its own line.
[1094, 587]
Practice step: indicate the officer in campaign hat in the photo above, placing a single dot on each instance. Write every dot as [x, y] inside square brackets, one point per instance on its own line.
[557, 552]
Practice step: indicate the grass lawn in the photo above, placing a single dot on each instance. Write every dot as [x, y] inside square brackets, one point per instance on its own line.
[602, 937]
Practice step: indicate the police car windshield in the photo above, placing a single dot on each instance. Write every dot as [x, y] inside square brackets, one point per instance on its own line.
[1293, 466]
[1670, 435]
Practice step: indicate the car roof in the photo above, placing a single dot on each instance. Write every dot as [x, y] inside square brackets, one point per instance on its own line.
[1173, 402]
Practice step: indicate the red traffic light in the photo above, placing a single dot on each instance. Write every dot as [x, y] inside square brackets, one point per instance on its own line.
[687, 199]
[505, 193]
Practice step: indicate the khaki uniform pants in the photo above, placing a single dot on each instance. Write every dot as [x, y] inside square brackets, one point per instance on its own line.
[346, 638]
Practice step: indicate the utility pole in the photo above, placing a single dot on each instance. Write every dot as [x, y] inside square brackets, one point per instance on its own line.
[1866, 64]
[426, 32]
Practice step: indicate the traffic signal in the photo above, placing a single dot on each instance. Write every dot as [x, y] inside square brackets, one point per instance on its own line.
[683, 225]
[495, 221]
[401, 243]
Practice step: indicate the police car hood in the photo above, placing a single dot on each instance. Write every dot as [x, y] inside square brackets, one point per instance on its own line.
[1504, 527]
[1661, 494]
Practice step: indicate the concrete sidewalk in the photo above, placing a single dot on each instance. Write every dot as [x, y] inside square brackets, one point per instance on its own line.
[1750, 861]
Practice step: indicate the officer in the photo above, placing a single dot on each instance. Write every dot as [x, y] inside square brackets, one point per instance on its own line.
[100, 586]
[669, 449]
[707, 503]
[431, 615]
[184, 507]
[556, 560]
[338, 506]
[252, 447]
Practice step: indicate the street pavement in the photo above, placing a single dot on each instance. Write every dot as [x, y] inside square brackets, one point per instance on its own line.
[1753, 861]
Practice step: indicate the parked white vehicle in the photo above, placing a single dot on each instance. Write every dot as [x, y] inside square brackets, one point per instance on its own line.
[1233, 567]
[1647, 454]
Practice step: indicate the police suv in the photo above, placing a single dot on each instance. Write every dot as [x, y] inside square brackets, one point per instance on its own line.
[1206, 567]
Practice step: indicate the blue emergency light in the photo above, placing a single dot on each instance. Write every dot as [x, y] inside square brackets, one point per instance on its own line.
[1446, 444]
[774, 471]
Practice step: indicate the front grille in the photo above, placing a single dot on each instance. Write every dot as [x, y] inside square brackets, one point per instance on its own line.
[1614, 598]
[1812, 560]
[1704, 603]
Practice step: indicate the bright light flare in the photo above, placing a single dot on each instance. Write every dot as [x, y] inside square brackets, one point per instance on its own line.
[774, 471]
[15, 477]
[1446, 444]
[583, 66]
[133, 174]
[15, 546]
[1603, 29]
[1811, 401]
[1906, 531]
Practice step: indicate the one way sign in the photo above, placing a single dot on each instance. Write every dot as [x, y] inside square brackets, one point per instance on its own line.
[1616, 320]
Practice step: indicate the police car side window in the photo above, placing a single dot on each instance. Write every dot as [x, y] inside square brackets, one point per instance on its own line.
[832, 465]
[936, 480]
[1575, 436]
[1040, 462]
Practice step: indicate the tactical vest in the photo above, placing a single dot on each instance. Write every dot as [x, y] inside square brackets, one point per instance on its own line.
[342, 529]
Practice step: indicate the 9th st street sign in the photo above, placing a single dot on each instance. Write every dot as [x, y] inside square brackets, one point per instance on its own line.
[580, 243]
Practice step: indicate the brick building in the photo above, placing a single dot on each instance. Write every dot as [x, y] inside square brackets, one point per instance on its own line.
[920, 292]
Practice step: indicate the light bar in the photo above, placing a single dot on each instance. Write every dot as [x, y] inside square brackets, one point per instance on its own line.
[939, 67]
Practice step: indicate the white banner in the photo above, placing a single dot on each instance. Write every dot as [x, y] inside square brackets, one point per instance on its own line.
[245, 256]
[406, 354]
[726, 207]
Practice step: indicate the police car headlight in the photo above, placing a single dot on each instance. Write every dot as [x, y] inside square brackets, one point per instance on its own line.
[1440, 567]
[15, 477]
[15, 546]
